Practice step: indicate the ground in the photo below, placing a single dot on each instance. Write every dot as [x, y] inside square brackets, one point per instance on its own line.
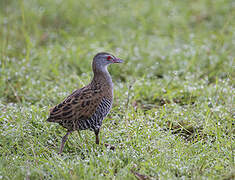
[173, 112]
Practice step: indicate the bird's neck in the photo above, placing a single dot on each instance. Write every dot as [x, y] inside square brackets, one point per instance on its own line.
[102, 76]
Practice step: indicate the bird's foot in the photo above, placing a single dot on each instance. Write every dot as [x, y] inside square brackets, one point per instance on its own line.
[109, 146]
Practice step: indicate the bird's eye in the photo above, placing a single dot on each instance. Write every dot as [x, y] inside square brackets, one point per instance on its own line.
[109, 58]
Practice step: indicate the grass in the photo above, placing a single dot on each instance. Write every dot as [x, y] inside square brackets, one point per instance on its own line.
[173, 114]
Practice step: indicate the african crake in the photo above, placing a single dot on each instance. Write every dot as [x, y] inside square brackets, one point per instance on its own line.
[86, 108]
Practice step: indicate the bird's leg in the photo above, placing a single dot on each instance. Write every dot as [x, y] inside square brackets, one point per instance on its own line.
[63, 141]
[97, 141]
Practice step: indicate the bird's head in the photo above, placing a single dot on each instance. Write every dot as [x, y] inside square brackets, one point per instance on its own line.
[103, 59]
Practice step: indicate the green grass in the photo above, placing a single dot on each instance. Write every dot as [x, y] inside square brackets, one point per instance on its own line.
[173, 113]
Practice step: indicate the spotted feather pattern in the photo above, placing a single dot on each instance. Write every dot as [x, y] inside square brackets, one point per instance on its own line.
[84, 108]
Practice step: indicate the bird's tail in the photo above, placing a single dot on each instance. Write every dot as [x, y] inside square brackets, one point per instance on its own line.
[50, 119]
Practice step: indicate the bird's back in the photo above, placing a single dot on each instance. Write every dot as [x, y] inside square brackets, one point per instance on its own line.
[85, 108]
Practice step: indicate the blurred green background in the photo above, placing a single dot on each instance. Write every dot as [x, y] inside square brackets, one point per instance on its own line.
[173, 115]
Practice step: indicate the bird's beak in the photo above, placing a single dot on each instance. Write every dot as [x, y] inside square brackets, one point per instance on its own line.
[117, 60]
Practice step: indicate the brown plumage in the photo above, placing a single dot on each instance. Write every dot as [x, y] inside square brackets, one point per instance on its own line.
[85, 108]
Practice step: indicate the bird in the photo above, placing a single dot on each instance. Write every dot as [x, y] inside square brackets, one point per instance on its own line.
[86, 107]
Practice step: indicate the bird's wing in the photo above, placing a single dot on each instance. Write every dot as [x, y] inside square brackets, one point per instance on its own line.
[81, 104]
